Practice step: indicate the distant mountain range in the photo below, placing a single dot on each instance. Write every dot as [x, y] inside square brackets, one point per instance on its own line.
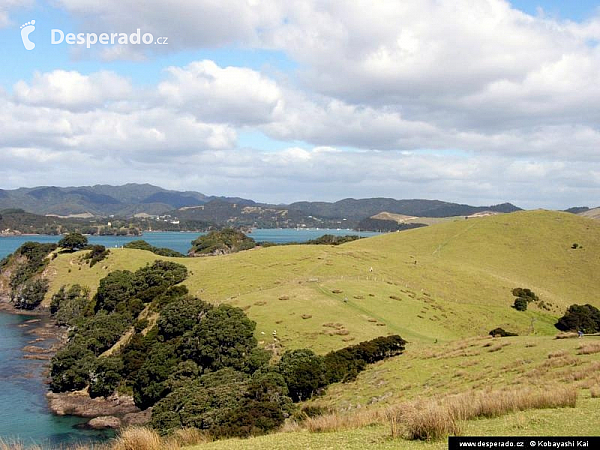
[129, 199]
[103, 200]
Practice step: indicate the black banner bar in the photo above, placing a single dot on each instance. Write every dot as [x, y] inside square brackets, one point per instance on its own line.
[523, 442]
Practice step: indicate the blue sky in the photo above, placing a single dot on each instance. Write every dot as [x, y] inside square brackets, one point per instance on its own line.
[326, 101]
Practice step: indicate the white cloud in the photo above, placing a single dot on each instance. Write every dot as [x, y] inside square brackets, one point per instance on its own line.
[72, 90]
[215, 94]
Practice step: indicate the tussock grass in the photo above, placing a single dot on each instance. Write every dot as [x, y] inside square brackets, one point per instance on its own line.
[595, 391]
[140, 438]
[588, 349]
[566, 336]
[337, 422]
[16, 445]
[435, 419]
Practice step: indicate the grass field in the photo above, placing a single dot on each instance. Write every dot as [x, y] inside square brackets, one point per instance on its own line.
[442, 282]
[442, 288]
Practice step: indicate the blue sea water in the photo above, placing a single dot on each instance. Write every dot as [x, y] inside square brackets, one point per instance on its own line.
[182, 241]
[24, 414]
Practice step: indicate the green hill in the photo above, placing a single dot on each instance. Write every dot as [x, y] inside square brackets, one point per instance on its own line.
[441, 282]
[442, 288]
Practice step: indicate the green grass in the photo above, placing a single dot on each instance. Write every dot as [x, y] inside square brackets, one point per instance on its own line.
[460, 285]
[444, 305]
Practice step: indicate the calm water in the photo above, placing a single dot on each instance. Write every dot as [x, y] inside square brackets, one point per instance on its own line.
[24, 414]
[181, 242]
[23, 409]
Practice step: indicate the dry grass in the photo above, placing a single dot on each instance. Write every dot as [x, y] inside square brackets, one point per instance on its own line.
[338, 422]
[595, 391]
[141, 438]
[435, 419]
[557, 354]
[588, 349]
[567, 336]
[15, 445]
[428, 421]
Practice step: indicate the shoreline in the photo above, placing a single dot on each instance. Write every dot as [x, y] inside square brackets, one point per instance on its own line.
[46, 339]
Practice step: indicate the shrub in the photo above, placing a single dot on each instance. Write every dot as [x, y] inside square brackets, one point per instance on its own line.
[30, 294]
[227, 240]
[520, 304]
[151, 381]
[97, 254]
[143, 245]
[303, 372]
[580, 317]
[181, 315]
[501, 332]
[116, 287]
[70, 305]
[105, 377]
[71, 367]
[223, 338]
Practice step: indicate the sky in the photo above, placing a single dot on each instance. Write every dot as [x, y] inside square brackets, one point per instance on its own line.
[470, 101]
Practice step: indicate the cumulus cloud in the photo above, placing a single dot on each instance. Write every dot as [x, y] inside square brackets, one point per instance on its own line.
[72, 90]
[222, 94]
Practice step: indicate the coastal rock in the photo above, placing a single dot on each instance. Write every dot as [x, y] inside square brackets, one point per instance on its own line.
[80, 404]
[101, 423]
[139, 418]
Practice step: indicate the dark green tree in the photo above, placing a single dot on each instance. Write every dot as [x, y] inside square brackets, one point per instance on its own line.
[223, 338]
[73, 242]
[584, 318]
[304, 373]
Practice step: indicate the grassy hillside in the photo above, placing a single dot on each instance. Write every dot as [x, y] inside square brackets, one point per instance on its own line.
[443, 282]
[593, 213]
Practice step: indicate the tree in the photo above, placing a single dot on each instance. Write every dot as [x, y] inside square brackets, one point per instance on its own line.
[223, 338]
[114, 288]
[580, 317]
[181, 315]
[105, 377]
[73, 242]
[303, 372]
[71, 367]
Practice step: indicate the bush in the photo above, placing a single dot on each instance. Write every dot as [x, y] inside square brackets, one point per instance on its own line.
[71, 367]
[223, 338]
[34, 255]
[224, 241]
[303, 372]
[501, 332]
[181, 315]
[97, 254]
[70, 305]
[116, 287]
[520, 304]
[205, 403]
[105, 377]
[580, 317]
[151, 381]
[101, 331]
[143, 245]
[30, 294]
